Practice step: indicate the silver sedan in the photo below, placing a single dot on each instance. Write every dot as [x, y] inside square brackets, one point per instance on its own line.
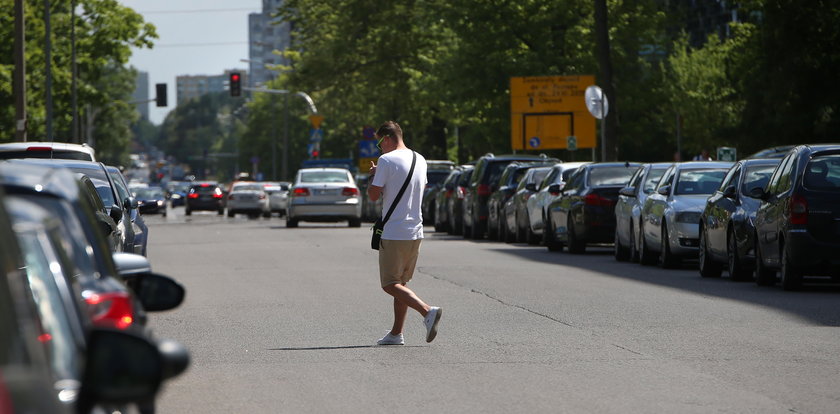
[247, 197]
[326, 195]
[671, 214]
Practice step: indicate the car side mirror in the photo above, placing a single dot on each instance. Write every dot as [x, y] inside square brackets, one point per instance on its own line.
[106, 223]
[759, 193]
[130, 203]
[555, 189]
[729, 192]
[531, 187]
[157, 292]
[115, 213]
[121, 367]
[664, 190]
[628, 192]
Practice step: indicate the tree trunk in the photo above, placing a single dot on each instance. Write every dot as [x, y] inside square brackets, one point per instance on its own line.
[606, 83]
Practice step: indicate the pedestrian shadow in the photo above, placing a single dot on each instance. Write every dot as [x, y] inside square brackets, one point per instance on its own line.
[331, 348]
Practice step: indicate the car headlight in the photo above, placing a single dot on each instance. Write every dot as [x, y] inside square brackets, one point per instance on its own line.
[160, 202]
[688, 217]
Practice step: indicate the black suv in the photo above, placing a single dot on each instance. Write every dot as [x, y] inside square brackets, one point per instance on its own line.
[205, 196]
[483, 181]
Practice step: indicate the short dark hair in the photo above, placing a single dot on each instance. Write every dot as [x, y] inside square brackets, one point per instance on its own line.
[391, 129]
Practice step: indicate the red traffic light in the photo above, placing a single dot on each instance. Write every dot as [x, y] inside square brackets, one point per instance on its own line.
[235, 84]
[234, 77]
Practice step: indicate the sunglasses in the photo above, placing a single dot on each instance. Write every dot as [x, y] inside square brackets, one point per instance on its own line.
[379, 144]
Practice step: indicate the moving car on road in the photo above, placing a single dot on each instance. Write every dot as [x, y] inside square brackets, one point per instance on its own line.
[248, 197]
[206, 196]
[150, 200]
[324, 195]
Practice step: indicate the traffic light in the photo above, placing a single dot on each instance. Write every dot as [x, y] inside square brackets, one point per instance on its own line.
[160, 94]
[235, 84]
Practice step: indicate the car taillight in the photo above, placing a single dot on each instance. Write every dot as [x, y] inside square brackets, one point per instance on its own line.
[798, 210]
[217, 195]
[597, 201]
[349, 191]
[301, 192]
[112, 309]
[205, 185]
[38, 148]
[483, 190]
[461, 192]
[192, 195]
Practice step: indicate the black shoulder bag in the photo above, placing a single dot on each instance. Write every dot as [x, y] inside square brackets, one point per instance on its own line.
[380, 222]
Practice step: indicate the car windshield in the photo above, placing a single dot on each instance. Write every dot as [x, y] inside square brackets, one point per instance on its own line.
[248, 187]
[652, 179]
[204, 189]
[148, 193]
[618, 175]
[436, 177]
[699, 182]
[823, 173]
[323, 177]
[757, 176]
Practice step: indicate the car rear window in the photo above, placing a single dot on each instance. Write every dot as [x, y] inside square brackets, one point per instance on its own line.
[619, 175]
[55, 154]
[148, 193]
[248, 187]
[204, 189]
[699, 182]
[823, 173]
[323, 177]
[757, 176]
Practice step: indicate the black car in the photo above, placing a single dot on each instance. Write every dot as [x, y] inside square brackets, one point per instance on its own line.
[585, 211]
[483, 181]
[151, 200]
[204, 196]
[509, 179]
[797, 224]
[726, 224]
[772, 152]
[435, 176]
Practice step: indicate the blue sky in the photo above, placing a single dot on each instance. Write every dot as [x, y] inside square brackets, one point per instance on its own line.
[196, 37]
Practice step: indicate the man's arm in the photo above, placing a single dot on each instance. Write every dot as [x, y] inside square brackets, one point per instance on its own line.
[374, 192]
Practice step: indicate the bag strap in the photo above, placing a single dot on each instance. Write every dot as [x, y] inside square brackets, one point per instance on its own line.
[402, 190]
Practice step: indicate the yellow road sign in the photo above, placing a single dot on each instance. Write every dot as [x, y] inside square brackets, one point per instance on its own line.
[364, 164]
[316, 121]
[547, 109]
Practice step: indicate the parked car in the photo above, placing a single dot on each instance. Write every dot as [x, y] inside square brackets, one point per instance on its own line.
[130, 208]
[116, 208]
[509, 179]
[516, 208]
[547, 191]
[206, 196]
[38, 149]
[150, 200]
[455, 206]
[628, 209]
[436, 173]
[798, 222]
[30, 383]
[278, 196]
[671, 214]
[772, 152]
[584, 213]
[483, 180]
[324, 194]
[247, 197]
[443, 198]
[726, 224]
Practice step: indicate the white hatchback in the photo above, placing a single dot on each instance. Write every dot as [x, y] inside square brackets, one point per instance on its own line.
[325, 195]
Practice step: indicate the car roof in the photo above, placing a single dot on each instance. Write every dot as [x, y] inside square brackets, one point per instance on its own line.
[704, 164]
[93, 165]
[517, 157]
[760, 161]
[324, 169]
[44, 178]
[64, 146]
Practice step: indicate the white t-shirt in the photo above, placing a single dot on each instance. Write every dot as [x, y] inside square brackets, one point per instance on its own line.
[406, 223]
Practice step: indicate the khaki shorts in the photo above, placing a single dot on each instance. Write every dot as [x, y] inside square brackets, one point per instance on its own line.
[397, 259]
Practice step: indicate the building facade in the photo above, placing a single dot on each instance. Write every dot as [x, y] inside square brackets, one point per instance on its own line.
[266, 34]
[194, 86]
[141, 94]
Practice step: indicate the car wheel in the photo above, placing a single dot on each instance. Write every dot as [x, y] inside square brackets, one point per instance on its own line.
[266, 214]
[576, 245]
[187, 211]
[221, 211]
[634, 250]
[231, 213]
[646, 256]
[355, 223]
[667, 259]
[764, 276]
[477, 229]
[621, 253]
[791, 275]
[492, 230]
[734, 266]
[549, 240]
[291, 223]
[708, 267]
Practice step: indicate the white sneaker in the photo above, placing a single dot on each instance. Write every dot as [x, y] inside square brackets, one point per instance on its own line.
[389, 339]
[431, 322]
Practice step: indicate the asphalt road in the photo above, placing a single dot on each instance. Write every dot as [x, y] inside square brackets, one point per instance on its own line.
[284, 320]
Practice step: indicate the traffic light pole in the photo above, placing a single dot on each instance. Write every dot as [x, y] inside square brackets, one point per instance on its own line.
[312, 109]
